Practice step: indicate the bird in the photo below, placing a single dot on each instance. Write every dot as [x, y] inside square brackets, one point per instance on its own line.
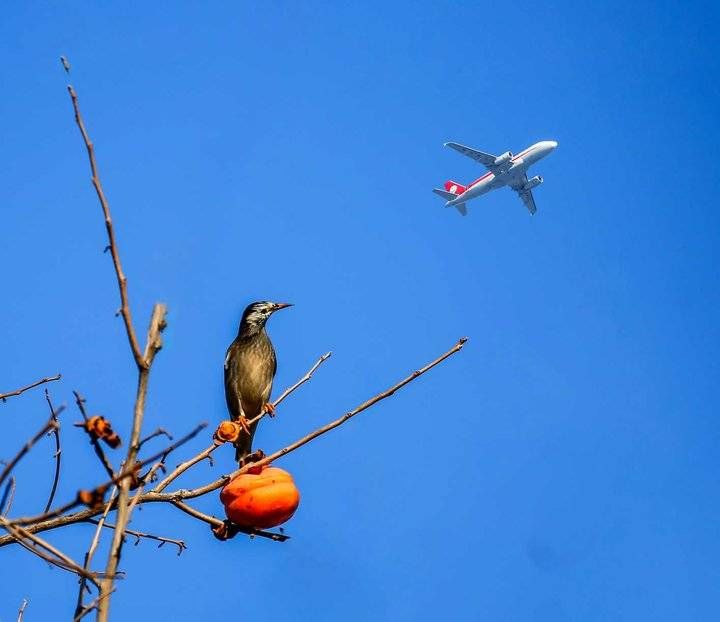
[250, 366]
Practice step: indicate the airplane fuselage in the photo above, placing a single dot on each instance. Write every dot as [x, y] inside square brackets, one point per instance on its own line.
[510, 174]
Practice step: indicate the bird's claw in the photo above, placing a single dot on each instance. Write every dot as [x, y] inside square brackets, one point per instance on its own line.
[242, 420]
[270, 409]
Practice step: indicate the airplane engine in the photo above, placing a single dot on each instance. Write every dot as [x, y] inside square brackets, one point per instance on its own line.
[503, 159]
[532, 183]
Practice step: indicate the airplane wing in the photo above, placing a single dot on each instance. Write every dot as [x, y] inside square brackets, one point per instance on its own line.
[486, 159]
[526, 195]
[529, 200]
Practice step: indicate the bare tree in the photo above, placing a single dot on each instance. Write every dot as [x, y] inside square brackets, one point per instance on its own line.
[109, 505]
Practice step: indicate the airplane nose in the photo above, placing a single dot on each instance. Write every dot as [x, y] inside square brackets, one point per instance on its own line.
[553, 144]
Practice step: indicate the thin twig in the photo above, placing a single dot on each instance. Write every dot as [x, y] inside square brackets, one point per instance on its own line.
[4, 396]
[121, 278]
[49, 426]
[92, 605]
[158, 432]
[125, 509]
[80, 401]
[218, 483]
[99, 451]
[144, 535]
[52, 554]
[96, 537]
[289, 390]
[297, 385]
[216, 522]
[21, 611]
[91, 551]
[138, 493]
[181, 468]
[143, 363]
[124, 475]
[205, 453]
[8, 496]
[54, 522]
[58, 451]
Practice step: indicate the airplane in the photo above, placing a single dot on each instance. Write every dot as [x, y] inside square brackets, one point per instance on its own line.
[503, 170]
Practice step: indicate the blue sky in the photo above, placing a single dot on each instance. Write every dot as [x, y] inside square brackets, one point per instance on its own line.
[564, 466]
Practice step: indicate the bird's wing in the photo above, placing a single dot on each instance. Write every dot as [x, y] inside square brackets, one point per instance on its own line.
[274, 363]
[232, 391]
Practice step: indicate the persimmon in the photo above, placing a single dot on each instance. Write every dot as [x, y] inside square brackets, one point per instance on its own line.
[261, 500]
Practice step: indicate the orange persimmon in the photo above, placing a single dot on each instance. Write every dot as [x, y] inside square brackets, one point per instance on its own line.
[261, 500]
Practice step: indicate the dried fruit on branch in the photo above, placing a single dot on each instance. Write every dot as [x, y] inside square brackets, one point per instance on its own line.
[99, 427]
[227, 432]
[92, 498]
[261, 500]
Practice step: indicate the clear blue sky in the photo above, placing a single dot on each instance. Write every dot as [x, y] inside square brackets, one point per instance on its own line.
[563, 467]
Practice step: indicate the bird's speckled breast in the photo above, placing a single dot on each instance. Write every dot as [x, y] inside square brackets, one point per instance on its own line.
[251, 364]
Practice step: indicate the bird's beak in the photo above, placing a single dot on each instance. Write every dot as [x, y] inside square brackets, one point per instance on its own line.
[282, 305]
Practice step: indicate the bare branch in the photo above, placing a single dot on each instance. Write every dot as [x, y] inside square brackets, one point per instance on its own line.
[4, 396]
[308, 375]
[218, 483]
[217, 523]
[205, 453]
[58, 451]
[49, 554]
[142, 360]
[21, 611]
[86, 515]
[158, 323]
[121, 278]
[93, 605]
[124, 475]
[96, 538]
[158, 432]
[50, 425]
[143, 535]
[8, 496]
[289, 390]
[91, 551]
[54, 522]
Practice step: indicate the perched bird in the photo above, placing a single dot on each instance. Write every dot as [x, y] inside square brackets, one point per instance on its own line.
[250, 366]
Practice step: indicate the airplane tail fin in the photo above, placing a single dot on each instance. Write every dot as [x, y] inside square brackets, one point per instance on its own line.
[449, 196]
[454, 187]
